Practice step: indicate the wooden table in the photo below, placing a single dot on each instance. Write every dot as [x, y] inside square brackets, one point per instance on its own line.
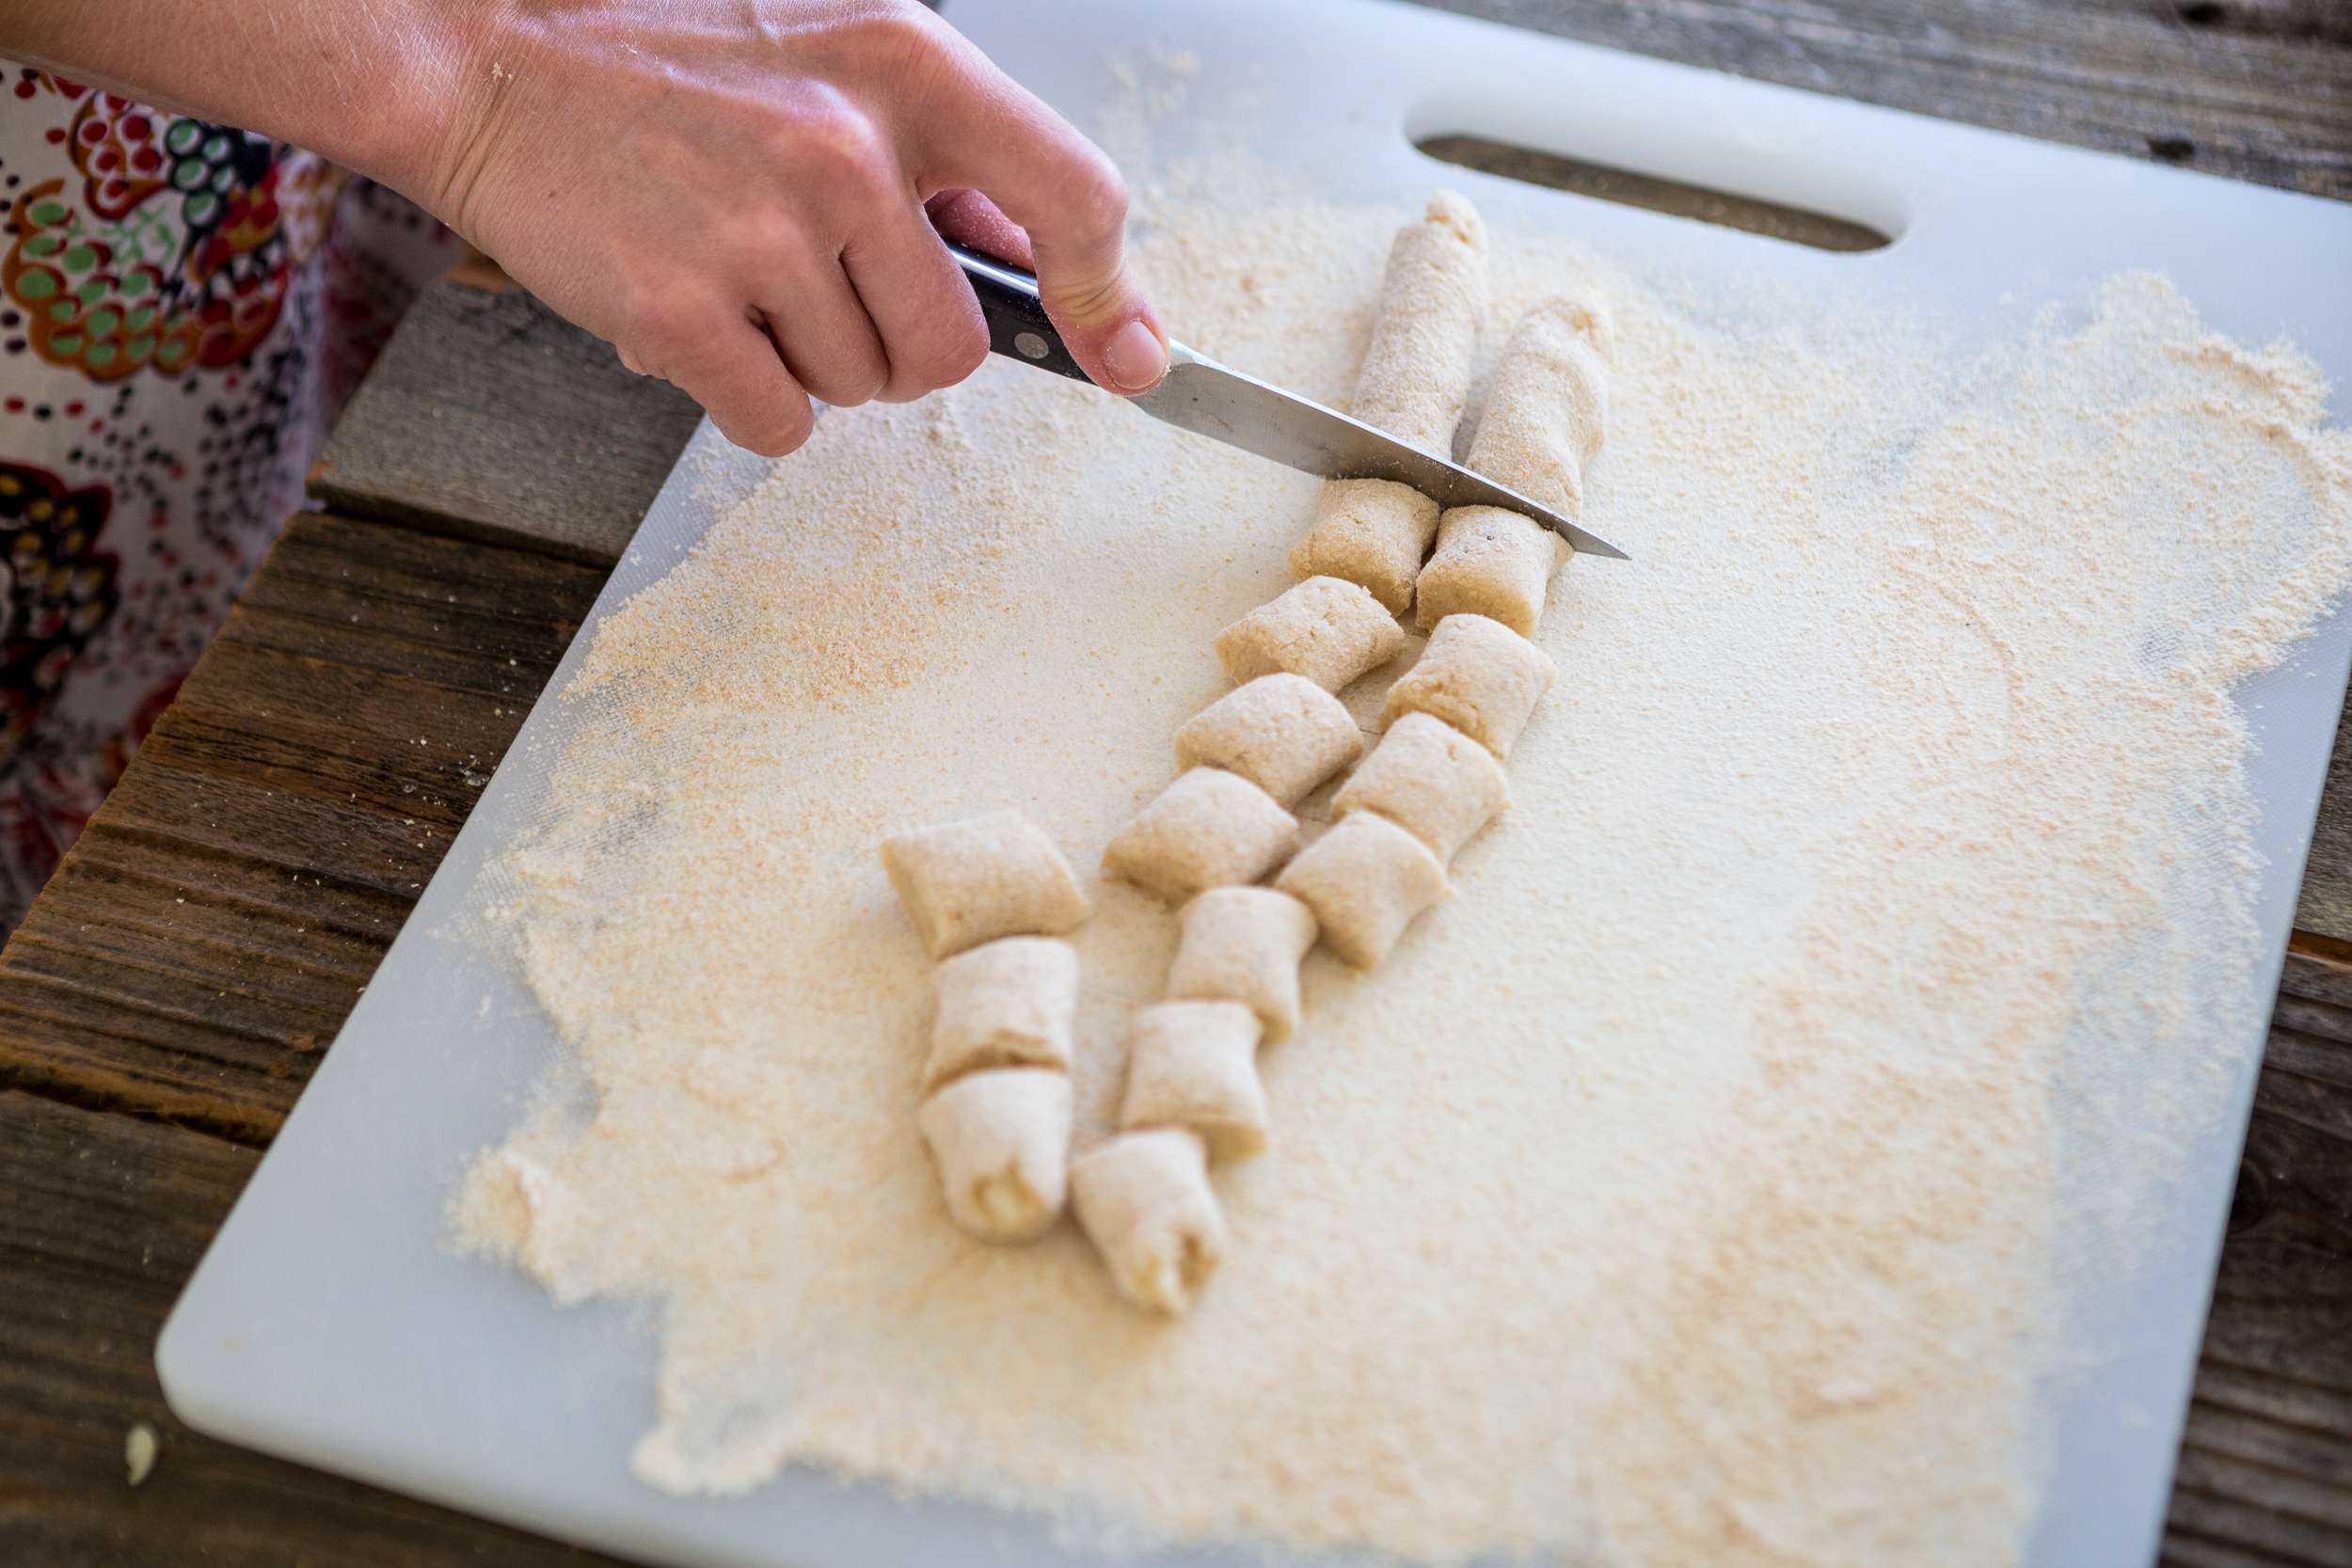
[171, 990]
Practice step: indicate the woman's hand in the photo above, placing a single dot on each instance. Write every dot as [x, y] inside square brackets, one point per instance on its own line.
[733, 192]
[735, 195]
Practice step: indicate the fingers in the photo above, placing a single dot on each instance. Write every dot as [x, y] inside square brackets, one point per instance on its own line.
[819, 324]
[737, 374]
[973, 221]
[984, 131]
[931, 331]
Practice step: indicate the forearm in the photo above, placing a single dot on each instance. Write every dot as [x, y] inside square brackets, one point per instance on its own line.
[374, 85]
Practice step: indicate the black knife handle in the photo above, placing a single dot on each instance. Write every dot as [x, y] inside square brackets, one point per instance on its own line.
[1018, 326]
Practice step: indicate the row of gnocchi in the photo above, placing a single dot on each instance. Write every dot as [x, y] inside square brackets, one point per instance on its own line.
[990, 894]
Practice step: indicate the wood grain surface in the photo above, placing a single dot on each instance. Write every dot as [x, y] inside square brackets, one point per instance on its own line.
[175, 986]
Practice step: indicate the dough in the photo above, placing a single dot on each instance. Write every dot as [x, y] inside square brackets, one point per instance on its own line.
[1282, 733]
[1329, 630]
[1549, 412]
[1432, 304]
[1001, 1143]
[1479, 676]
[1375, 533]
[1243, 944]
[1206, 830]
[1366, 880]
[1194, 1065]
[1144, 1199]
[964, 884]
[1430, 779]
[1489, 563]
[1008, 1002]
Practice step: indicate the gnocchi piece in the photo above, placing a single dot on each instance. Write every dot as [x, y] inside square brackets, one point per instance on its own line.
[1326, 629]
[1548, 411]
[1194, 1065]
[1144, 1199]
[1478, 676]
[1001, 1142]
[1282, 733]
[1208, 828]
[1008, 1002]
[1243, 944]
[1373, 532]
[1430, 779]
[1489, 563]
[1416, 374]
[1366, 880]
[964, 884]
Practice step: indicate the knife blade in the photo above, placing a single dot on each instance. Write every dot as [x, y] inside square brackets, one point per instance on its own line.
[1208, 399]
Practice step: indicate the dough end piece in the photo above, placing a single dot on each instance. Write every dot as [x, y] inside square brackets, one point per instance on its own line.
[1489, 563]
[1000, 1141]
[1144, 1199]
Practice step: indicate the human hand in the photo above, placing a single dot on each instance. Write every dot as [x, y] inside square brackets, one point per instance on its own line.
[736, 196]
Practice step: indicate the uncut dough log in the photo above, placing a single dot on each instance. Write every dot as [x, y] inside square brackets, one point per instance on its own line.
[1243, 944]
[1366, 880]
[1489, 563]
[1373, 532]
[1548, 411]
[1416, 374]
[1429, 779]
[1144, 1199]
[1281, 731]
[1194, 1065]
[1326, 629]
[1000, 1141]
[1008, 1002]
[1208, 828]
[964, 884]
[1478, 676]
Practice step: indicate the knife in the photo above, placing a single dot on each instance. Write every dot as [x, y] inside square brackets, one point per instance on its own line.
[1202, 396]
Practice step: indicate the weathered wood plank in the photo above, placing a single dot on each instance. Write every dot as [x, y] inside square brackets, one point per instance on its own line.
[101, 1220]
[489, 416]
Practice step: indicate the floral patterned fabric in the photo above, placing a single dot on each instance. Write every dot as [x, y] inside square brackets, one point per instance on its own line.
[184, 309]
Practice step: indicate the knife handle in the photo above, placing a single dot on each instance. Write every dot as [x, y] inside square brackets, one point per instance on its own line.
[1018, 326]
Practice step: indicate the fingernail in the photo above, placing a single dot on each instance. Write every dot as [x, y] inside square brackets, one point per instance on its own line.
[1135, 358]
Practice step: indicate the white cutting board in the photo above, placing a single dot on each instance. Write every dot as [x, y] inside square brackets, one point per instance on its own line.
[328, 1323]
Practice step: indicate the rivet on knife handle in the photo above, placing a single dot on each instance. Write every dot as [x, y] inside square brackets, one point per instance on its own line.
[1018, 326]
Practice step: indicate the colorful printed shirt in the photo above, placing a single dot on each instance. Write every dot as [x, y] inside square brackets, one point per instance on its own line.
[184, 309]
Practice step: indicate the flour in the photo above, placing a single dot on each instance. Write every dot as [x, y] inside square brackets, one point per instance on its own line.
[1702, 1184]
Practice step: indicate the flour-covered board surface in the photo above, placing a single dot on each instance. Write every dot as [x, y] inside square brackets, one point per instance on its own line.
[1692, 1187]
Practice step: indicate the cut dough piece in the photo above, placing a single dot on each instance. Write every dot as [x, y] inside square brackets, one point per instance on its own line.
[1430, 779]
[1549, 412]
[1208, 828]
[1144, 1200]
[1479, 676]
[1326, 629]
[1194, 1065]
[1243, 944]
[1001, 1143]
[1489, 563]
[1282, 733]
[1366, 880]
[1432, 304]
[964, 884]
[1008, 1002]
[1373, 532]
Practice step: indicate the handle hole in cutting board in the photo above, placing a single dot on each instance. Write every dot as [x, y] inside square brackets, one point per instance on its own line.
[1750, 215]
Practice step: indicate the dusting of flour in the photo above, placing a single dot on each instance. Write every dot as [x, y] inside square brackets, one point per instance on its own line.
[1702, 1183]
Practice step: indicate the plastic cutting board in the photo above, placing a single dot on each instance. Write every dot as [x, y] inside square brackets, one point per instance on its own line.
[328, 1325]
